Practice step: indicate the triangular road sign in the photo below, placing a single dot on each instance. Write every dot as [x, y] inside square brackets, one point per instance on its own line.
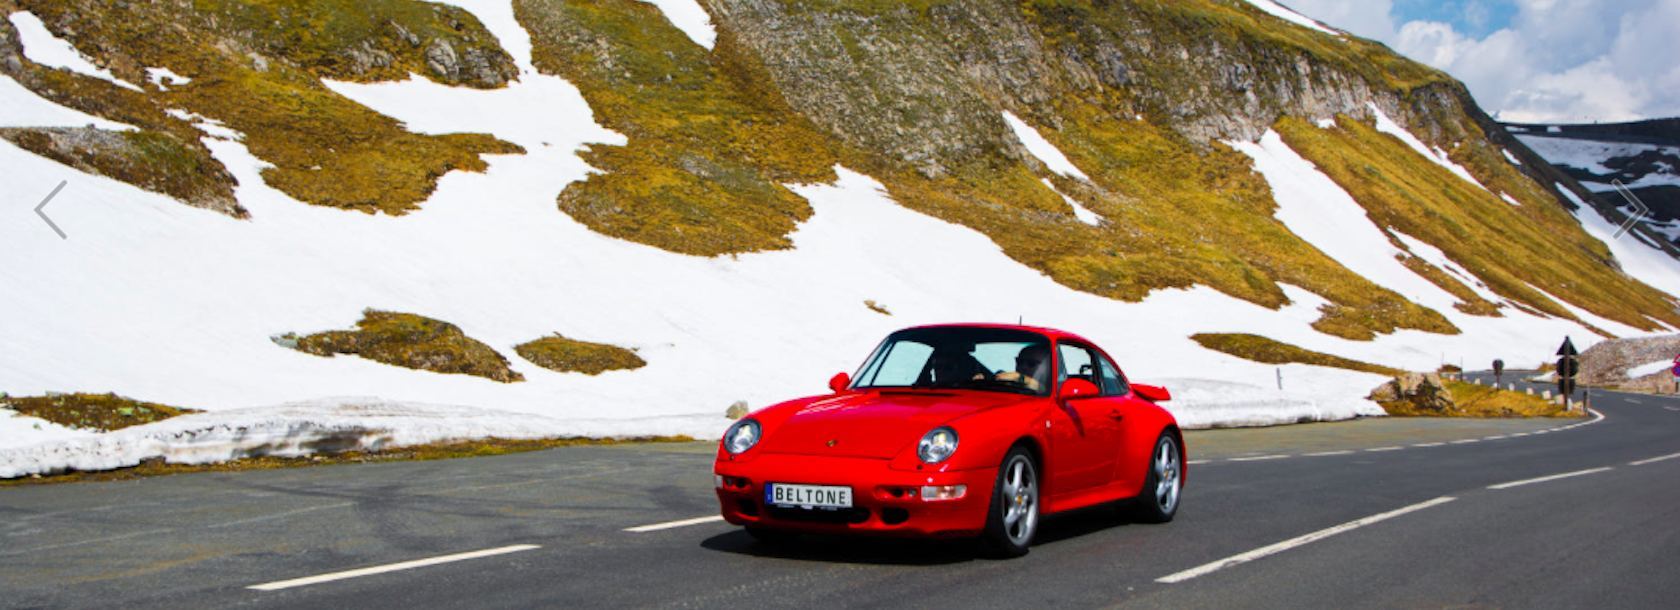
[1568, 348]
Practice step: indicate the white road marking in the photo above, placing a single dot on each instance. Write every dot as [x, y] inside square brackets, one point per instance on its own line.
[1324, 453]
[1197, 462]
[1549, 478]
[1257, 458]
[1655, 459]
[406, 565]
[1463, 441]
[1495, 438]
[1430, 445]
[673, 524]
[1295, 542]
[1635, 401]
[1672, 408]
[1380, 449]
[1517, 434]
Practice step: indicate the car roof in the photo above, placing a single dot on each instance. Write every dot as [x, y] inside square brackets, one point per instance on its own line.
[1052, 333]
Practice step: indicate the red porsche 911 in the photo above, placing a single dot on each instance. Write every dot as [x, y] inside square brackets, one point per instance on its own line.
[956, 431]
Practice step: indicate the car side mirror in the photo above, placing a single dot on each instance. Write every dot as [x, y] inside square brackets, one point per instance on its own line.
[839, 382]
[1074, 389]
[1152, 393]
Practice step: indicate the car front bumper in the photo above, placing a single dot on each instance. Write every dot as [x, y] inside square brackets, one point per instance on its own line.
[885, 501]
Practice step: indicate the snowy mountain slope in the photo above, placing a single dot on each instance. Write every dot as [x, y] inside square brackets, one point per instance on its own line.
[174, 304]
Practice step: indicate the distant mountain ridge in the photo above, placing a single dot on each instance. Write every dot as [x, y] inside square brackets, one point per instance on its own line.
[1643, 155]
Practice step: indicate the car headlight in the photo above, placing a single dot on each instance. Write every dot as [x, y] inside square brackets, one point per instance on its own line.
[937, 446]
[741, 436]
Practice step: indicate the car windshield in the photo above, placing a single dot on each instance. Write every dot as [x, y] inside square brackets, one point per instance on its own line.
[988, 359]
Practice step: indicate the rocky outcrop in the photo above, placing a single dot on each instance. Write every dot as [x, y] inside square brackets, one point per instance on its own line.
[1607, 362]
[1422, 392]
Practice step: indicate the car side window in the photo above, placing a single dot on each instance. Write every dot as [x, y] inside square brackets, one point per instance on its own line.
[1110, 380]
[1075, 362]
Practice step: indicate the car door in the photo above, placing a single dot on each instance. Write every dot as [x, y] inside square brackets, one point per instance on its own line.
[1122, 404]
[1084, 434]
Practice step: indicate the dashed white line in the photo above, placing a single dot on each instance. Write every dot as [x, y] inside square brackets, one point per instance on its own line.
[1517, 434]
[1464, 441]
[1635, 401]
[1655, 459]
[1257, 458]
[1430, 445]
[1325, 453]
[640, 529]
[1382, 449]
[394, 567]
[1495, 438]
[1197, 462]
[1549, 478]
[1295, 542]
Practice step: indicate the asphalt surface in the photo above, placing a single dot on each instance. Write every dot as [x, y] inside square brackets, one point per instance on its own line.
[553, 524]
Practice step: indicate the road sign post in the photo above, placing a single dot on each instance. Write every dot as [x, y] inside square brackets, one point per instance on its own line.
[1498, 371]
[1567, 367]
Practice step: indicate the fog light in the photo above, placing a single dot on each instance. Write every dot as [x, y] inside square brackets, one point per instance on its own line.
[717, 481]
[936, 493]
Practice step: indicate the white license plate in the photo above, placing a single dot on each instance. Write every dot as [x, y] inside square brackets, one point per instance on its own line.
[807, 496]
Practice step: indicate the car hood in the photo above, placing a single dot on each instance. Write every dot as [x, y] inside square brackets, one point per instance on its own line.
[874, 424]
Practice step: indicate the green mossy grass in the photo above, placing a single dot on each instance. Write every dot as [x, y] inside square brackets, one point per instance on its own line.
[412, 341]
[1473, 400]
[711, 143]
[557, 353]
[91, 411]
[256, 67]
[1271, 351]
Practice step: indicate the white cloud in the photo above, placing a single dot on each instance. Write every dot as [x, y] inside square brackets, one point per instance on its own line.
[1368, 19]
[1557, 61]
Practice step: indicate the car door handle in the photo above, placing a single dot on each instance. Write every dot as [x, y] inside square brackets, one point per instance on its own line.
[1116, 414]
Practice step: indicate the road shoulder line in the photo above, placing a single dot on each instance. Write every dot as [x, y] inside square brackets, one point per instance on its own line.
[1554, 477]
[1291, 543]
[391, 567]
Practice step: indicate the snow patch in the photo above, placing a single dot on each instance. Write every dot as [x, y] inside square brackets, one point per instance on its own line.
[18, 430]
[1509, 199]
[1204, 403]
[1434, 256]
[1438, 156]
[1080, 212]
[1649, 368]
[1317, 210]
[41, 46]
[210, 127]
[691, 18]
[165, 78]
[1510, 157]
[20, 107]
[1283, 12]
[302, 428]
[1042, 148]
[1590, 155]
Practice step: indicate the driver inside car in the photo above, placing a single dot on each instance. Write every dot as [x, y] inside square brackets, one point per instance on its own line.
[951, 366]
[1032, 368]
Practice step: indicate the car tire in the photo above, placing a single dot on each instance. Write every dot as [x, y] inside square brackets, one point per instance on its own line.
[1158, 501]
[1013, 517]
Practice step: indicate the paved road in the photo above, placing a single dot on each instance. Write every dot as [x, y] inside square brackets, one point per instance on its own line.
[1407, 506]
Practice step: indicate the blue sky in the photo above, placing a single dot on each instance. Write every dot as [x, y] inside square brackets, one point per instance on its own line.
[1474, 18]
[1565, 61]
